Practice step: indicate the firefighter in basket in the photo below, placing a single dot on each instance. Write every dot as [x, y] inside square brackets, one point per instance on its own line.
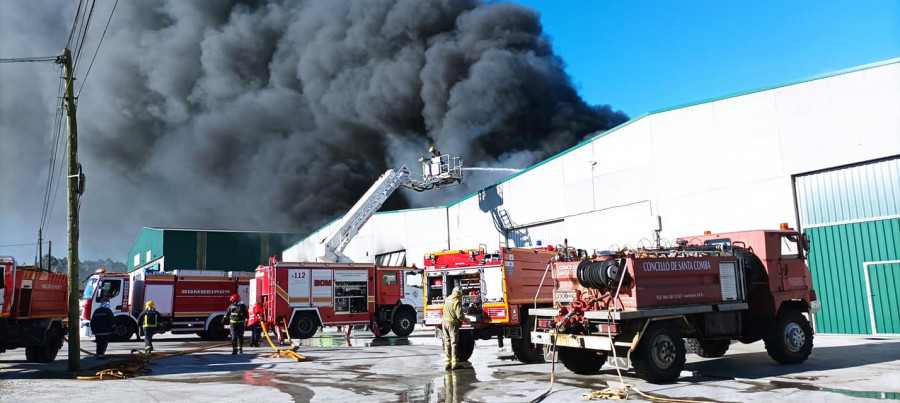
[236, 316]
[149, 320]
[452, 320]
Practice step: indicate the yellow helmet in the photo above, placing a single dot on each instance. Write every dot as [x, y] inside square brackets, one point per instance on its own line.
[150, 304]
[431, 149]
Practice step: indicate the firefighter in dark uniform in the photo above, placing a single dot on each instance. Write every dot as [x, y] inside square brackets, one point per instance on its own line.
[236, 316]
[452, 320]
[149, 320]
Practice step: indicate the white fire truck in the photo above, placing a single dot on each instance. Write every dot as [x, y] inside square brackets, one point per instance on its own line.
[189, 301]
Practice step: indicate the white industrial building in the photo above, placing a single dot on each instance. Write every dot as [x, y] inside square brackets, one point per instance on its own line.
[821, 154]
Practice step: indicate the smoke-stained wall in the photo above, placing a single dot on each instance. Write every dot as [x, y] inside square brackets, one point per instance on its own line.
[277, 115]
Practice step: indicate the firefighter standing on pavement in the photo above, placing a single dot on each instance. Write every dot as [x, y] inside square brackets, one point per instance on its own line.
[102, 323]
[149, 320]
[236, 315]
[452, 320]
[254, 325]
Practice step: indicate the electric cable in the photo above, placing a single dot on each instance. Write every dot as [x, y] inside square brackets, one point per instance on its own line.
[88, 72]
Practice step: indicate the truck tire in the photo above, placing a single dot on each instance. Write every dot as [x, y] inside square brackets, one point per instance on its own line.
[305, 326]
[46, 352]
[660, 355]
[581, 361]
[404, 322]
[790, 340]
[123, 330]
[383, 329]
[709, 348]
[524, 350]
[465, 346]
[216, 329]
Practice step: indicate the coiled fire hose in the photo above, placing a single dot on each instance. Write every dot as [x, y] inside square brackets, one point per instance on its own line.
[279, 353]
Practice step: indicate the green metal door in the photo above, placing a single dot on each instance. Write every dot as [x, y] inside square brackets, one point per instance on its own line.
[884, 286]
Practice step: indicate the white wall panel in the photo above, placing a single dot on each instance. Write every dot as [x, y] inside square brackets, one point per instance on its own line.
[528, 197]
[623, 149]
[623, 187]
[840, 120]
[606, 229]
[761, 205]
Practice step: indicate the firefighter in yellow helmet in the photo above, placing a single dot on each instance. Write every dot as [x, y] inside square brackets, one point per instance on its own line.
[452, 320]
[149, 320]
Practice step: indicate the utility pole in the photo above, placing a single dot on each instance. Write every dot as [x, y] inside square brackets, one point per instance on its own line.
[73, 180]
[40, 250]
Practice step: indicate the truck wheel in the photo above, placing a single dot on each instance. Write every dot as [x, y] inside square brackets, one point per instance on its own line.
[581, 361]
[791, 339]
[709, 348]
[383, 329]
[404, 322]
[660, 355]
[46, 352]
[216, 329]
[305, 326]
[524, 350]
[465, 346]
[123, 329]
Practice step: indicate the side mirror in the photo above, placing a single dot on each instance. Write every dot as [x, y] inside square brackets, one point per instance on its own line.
[804, 242]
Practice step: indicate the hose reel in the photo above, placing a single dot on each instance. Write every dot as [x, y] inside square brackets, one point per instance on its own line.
[602, 275]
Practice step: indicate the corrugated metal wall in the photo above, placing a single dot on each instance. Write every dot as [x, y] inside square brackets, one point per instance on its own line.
[852, 217]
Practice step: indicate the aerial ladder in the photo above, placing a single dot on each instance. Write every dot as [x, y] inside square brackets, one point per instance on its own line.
[437, 171]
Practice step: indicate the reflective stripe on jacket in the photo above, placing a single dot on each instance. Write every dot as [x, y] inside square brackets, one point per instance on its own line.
[151, 318]
[237, 313]
[452, 309]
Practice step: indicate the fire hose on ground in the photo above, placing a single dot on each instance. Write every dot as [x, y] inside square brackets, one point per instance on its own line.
[134, 363]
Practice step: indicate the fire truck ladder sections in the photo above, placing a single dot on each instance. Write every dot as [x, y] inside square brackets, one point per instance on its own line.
[279, 353]
[437, 171]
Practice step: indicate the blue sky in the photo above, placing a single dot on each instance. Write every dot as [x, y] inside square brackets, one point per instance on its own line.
[641, 55]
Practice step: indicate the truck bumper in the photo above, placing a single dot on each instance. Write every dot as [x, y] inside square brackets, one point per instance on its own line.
[572, 340]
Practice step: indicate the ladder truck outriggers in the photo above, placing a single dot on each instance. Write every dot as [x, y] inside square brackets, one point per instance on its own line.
[298, 297]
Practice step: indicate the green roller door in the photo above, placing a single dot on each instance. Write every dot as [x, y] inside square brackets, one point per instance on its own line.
[852, 217]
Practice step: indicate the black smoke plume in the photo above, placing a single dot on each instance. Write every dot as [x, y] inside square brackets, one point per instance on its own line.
[277, 115]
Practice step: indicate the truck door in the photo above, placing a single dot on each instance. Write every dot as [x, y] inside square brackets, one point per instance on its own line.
[113, 288]
[389, 286]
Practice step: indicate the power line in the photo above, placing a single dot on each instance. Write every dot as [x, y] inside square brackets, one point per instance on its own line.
[74, 24]
[87, 26]
[84, 80]
[20, 244]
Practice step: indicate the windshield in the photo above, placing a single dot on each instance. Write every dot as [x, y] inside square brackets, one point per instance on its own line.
[89, 288]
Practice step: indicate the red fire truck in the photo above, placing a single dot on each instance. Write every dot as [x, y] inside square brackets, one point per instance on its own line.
[33, 305]
[189, 301]
[499, 290]
[309, 295]
[711, 289]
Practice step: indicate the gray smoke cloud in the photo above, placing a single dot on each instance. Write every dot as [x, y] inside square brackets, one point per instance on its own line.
[277, 115]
